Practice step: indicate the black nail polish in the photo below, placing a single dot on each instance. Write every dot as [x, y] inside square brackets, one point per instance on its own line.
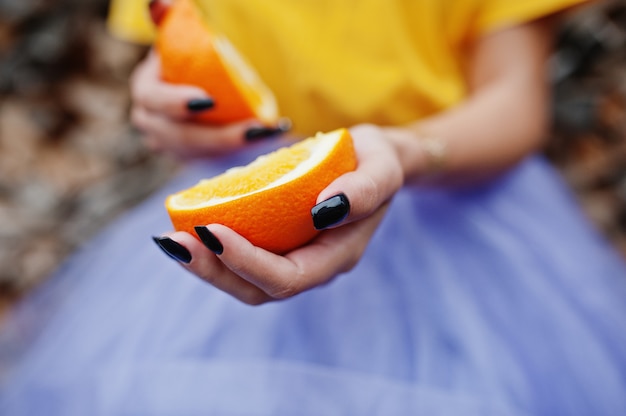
[200, 104]
[209, 239]
[173, 249]
[330, 212]
[259, 133]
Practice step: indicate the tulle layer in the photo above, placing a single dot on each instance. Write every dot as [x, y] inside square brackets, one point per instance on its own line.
[499, 300]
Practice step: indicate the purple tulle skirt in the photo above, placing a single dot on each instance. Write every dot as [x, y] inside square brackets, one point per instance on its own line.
[500, 300]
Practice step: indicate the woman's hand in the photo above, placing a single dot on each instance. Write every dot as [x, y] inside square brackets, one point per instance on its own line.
[255, 276]
[164, 113]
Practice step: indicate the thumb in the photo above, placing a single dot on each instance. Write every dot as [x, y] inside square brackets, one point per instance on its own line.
[360, 193]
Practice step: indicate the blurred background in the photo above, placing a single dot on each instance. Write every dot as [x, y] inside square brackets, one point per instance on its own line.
[70, 162]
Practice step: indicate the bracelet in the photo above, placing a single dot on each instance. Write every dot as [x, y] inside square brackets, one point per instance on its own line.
[436, 151]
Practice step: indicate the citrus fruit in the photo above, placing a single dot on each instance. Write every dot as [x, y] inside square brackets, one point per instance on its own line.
[268, 201]
[191, 53]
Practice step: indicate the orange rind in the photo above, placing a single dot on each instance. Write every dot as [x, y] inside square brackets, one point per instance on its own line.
[193, 54]
[268, 201]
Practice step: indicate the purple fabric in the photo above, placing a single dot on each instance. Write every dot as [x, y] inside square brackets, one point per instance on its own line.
[501, 300]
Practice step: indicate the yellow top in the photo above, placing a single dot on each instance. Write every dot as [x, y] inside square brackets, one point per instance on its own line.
[130, 20]
[336, 63]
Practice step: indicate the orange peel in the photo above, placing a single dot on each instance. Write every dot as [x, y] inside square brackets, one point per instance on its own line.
[268, 201]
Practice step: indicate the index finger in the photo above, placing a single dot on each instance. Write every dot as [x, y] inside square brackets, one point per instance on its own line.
[332, 252]
[152, 93]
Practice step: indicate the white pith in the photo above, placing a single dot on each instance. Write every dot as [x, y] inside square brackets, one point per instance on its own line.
[319, 147]
[247, 75]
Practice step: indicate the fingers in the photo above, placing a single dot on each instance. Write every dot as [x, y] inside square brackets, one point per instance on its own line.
[164, 113]
[188, 138]
[175, 101]
[196, 258]
[280, 277]
[233, 273]
[356, 195]
[276, 276]
[232, 264]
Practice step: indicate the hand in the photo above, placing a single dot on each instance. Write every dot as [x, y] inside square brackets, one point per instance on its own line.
[256, 276]
[164, 113]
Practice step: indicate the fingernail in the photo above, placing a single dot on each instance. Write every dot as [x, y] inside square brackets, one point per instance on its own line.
[330, 212]
[259, 133]
[200, 104]
[157, 11]
[209, 239]
[173, 249]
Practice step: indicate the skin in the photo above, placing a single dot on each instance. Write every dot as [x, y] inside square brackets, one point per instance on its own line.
[502, 121]
[160, 112]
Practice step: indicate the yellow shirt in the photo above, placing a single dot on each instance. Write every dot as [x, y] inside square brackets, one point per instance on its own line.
[336, 63]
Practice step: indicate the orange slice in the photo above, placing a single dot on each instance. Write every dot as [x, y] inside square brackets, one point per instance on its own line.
[191, 53]
[268, 201]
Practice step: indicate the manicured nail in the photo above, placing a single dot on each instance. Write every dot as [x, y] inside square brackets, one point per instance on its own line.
[209, 239]
[157, 11]
[330, 212]
[259, 133]
[200, 104]
[173, 249]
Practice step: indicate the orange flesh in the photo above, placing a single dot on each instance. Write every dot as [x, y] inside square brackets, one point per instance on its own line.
[245, 180]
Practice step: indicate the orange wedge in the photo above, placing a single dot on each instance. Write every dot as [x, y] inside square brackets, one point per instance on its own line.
[268, 201]
[191, 53]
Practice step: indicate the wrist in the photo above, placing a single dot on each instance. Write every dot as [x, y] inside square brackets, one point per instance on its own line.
[435, 152]
[421, 154]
